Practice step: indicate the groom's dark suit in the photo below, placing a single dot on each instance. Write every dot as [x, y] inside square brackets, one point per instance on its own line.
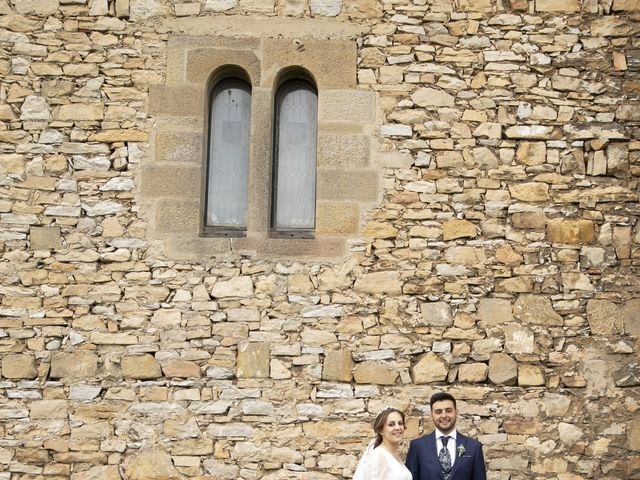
[423, 463]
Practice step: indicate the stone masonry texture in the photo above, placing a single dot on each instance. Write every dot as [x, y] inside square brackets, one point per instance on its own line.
[500, 260]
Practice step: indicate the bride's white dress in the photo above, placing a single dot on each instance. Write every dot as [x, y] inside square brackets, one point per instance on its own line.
[380, 464]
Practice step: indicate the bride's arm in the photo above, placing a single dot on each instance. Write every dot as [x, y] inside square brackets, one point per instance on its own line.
[377, 467]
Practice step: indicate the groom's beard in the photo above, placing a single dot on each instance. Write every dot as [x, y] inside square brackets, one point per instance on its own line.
[444, 425]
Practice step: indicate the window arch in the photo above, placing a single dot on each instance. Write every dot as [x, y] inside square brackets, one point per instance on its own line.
[228, 157]
[293, 208]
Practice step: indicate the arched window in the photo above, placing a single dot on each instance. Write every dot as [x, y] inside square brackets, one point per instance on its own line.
[228, 162]
[294, 174]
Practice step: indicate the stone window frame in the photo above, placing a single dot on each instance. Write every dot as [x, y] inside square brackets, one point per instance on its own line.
[348, 182]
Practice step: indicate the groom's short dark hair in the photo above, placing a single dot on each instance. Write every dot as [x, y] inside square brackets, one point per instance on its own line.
[440, 396]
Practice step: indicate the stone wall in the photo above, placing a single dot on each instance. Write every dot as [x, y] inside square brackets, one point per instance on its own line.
[502, 263]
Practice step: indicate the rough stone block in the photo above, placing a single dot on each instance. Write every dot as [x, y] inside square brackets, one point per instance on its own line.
[338, 366]
[140, 367]
[150, 464]
[253, 360]
[580, 231]
[376, 373]
[503, 370]
[452, 229]
[536, 310]
[494, 311]
[380, 230]
[432, 97]
[563, 6]
[518, 339]
[429, 369]
[76, 365]
[604, 317]
[79, 112]
[379, 282]
[529, 220]
[531, 153]
[472, 372]
[530, 191]
[181, 369]
[530, 376]
[44, 238]
[234, 287]
[19, 366]
[48, 409]
[436, 314]
[625, 5]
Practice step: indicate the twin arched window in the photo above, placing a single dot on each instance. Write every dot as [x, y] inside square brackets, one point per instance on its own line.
[293, 184]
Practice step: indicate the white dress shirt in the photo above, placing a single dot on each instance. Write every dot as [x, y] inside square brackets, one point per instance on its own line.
[451, 444]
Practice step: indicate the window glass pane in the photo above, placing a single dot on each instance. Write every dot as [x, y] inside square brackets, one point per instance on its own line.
[295, 176]
[228, 154]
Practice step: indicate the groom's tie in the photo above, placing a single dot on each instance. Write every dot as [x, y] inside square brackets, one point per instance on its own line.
[445, 458]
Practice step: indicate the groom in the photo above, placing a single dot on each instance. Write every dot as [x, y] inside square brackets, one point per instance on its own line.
[445, 454]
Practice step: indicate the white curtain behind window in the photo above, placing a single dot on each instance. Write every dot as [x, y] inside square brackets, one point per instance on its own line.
[295, 162]
[229, 154]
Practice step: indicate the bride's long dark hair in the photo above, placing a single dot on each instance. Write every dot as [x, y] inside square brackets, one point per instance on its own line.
[380, 421]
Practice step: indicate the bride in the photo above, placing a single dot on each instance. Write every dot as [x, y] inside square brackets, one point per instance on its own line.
[381, 460]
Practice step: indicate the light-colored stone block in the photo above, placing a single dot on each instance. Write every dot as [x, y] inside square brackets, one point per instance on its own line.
[253, 360]
[331, 62]
[336, 218]
[338, 366]
[140, 367]
[44, 238]
[77, 365]
[19, 366]
[176, 101]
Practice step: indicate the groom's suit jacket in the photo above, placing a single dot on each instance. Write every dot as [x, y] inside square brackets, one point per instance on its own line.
[423, 463]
